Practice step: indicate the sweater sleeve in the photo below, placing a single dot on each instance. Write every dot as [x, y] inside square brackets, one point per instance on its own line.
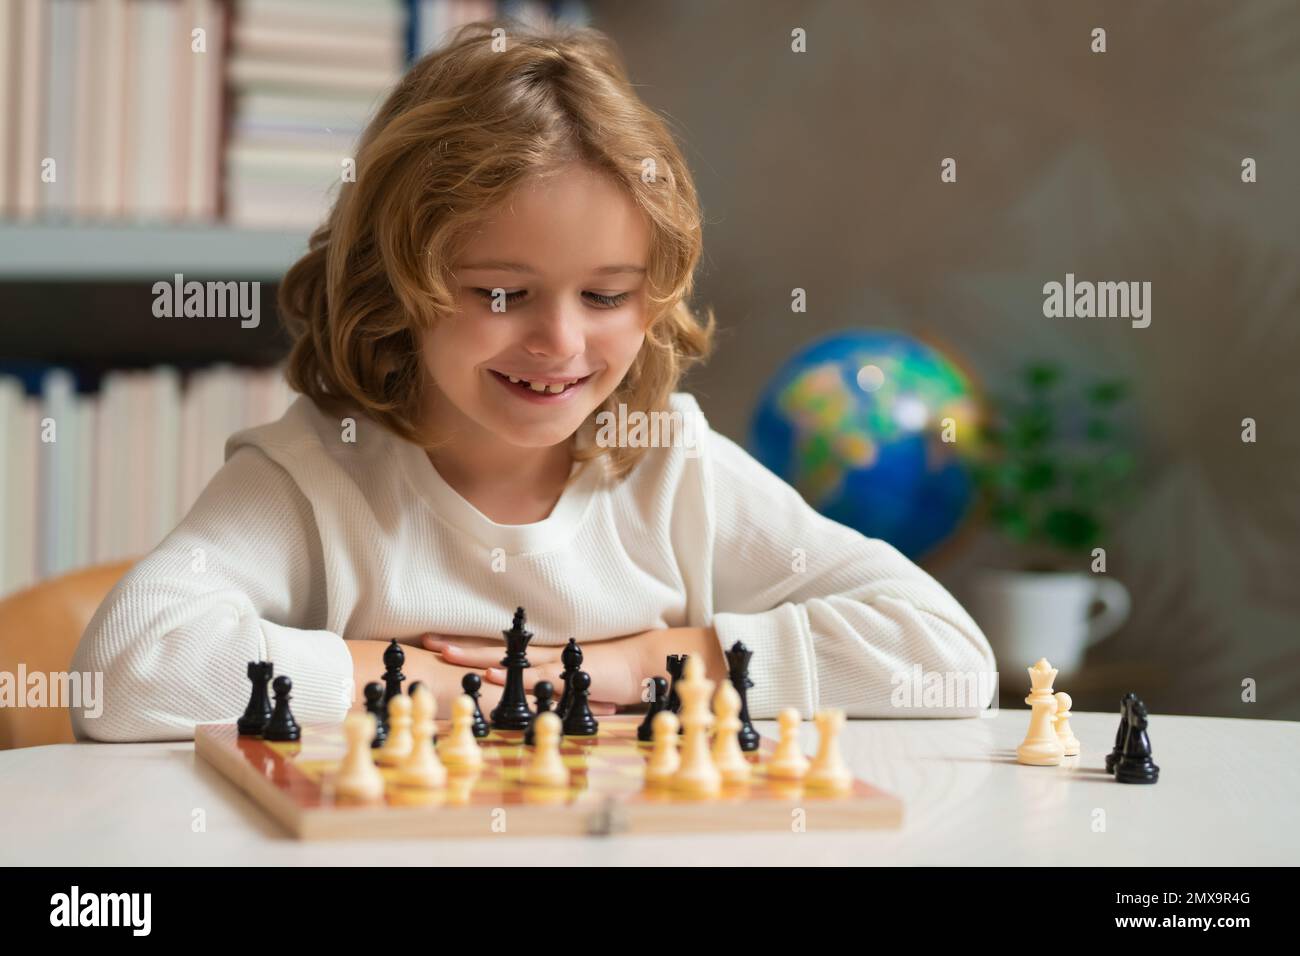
[238, 580]
[834, 618]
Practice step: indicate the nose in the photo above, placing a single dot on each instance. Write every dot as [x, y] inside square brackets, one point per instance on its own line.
[556, 332]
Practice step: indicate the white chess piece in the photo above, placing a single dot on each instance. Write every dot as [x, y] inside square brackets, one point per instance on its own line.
[422, 768]
[1062, 720]
[727, 755]
[664, 759]
[460, 750]
[397, 747]
[697, 776]
[546, 767]
[788, 763]
[828, 770]
[1041, 747]
[359, 778]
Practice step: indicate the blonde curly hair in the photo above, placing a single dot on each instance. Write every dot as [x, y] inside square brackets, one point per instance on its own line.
[465, 126]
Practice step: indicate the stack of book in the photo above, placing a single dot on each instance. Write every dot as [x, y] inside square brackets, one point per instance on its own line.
[89, 478]
[111, 108]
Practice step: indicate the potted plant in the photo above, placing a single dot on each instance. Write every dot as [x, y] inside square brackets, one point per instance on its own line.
[1053, 470]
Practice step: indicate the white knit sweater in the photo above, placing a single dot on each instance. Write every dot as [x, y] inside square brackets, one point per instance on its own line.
[303, 539]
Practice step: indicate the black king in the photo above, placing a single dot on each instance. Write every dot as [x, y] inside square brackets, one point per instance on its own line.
[512, 712]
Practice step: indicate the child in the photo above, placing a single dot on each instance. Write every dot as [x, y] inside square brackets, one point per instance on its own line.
[506, 280]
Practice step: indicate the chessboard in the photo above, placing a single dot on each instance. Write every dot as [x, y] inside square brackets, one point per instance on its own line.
[607, 791]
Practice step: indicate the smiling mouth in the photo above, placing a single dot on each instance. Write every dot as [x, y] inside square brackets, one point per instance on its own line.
[540, 388]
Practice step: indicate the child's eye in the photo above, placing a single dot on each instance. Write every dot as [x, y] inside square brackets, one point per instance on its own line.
[490, 294]
[604, 301]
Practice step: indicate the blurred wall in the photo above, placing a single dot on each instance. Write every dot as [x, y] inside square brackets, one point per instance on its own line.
[821, 170]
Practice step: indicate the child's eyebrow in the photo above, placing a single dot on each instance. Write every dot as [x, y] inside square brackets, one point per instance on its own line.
[497, 266]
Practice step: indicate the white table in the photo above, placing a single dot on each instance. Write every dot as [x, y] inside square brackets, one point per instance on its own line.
[1226, 796]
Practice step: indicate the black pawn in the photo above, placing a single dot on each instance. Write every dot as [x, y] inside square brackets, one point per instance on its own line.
[470, 684]
[579, 722]
[738, 672]
[1136, 766]
[1112, 758]
[657, 704]
[571, 658]
[282, 726]
[394, 658]
[543, 693]
[374, 694]
[258, 711]
[410, 692]
[676, 666]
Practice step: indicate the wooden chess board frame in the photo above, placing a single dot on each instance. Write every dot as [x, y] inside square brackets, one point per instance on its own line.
[607, 793]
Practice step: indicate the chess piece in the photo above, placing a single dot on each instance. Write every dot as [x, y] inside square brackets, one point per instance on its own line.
[697, 776]
[460, 751]
[738, 673]
[727, 755]
[416, 685]
[542, 693]
[399, 743]
[580, 722]
[471, 684]
[511, 712]
[788, 763]
[394, 658]
[828, 770]
[1041, 748]
[571, 658]
[282, 726]
[258, 712]
[374, 694]
[657, 703]
[1112, 758]
[359, 778]
[546, 767]
[664, 759]
[1062, 725]
[422, 768]
[1136, 765]
[676, 667]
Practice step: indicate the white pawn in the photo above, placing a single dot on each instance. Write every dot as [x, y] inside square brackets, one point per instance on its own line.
[422, 768]
[398, 745]
[788, 763]
[664, 759]
[727, 755]
[546, 767]
[359, 778]
[460, 750]
[828, 771]
[1062, 719]
[697, 776]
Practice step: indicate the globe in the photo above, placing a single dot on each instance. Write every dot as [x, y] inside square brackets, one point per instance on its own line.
[876, 430]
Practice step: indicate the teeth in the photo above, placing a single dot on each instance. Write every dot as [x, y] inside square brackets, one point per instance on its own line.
[513, 380]
[557, 388]
[554, 389]
[537, 386]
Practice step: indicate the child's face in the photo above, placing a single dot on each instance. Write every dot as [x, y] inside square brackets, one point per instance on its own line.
[574, 310]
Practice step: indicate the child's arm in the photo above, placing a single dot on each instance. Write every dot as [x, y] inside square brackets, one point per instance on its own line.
[835, 619]
[236, 581]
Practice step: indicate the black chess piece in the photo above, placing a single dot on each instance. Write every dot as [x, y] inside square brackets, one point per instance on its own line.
[738, 671]
[660, 700]
[374, 694]
[471, 684]
[258, 712]
[676, 667]
[394, 658]
[571, 658]
[543, 692]
[1121, 732]
[1136, 766]
[511, 712]
[282, 726]
[580, 722]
